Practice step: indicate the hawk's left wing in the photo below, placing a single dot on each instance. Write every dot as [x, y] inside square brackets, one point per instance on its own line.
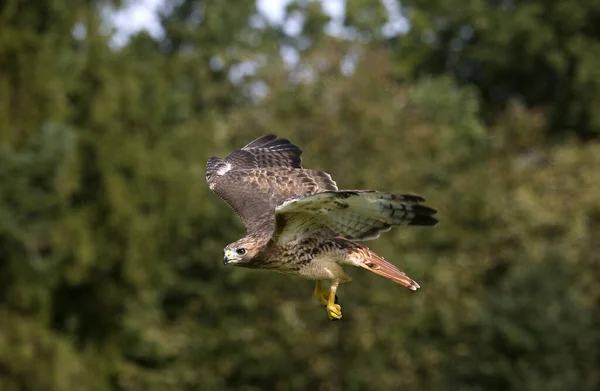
[355, 215]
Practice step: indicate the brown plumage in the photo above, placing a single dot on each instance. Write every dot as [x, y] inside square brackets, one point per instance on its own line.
[298, 222]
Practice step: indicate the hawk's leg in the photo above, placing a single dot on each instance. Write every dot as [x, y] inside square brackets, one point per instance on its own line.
[322, 295]
[334, 311]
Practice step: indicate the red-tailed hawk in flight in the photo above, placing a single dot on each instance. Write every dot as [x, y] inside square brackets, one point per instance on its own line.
[298, 222]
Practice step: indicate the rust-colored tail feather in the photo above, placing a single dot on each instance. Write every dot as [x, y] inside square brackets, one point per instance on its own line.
[369, 260]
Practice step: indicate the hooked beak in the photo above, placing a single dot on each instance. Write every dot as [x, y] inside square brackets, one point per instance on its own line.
[230, 257]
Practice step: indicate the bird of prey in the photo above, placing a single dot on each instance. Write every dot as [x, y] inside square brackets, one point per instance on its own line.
[298, 222]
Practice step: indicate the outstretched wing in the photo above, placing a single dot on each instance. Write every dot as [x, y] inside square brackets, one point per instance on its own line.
[260, 176]
[355, 215]
[265, 152]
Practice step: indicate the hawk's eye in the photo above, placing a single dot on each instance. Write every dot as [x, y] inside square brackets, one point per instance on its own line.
[241, 251]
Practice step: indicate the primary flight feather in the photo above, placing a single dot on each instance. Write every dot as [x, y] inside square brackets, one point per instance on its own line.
[298, 222]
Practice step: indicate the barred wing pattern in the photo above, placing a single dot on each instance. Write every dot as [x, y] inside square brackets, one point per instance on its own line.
[265, 152]
[260, 176]
[355, 215]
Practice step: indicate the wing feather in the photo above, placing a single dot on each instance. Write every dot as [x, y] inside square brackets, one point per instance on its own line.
[265, 152]
[255, 193]
[355, 215]
[264, 173]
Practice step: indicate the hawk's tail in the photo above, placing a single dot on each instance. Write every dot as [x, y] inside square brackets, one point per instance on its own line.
[362, 256]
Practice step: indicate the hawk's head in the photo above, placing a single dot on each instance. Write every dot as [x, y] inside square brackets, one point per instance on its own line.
[240, 253]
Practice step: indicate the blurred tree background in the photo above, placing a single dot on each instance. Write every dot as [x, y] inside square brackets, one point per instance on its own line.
[111, 243]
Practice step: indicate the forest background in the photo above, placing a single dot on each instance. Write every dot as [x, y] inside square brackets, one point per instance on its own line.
[111, 243]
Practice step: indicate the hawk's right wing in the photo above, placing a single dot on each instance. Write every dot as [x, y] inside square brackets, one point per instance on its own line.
[265, 152]
[263, 174]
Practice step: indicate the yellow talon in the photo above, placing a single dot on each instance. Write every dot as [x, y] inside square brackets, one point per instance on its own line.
[334, 311]
[320, 294]
[329, 299]
[323, 298]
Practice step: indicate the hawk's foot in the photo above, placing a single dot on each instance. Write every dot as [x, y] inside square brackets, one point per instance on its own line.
[329, 299]
[323, 298]
[323, 295]
[334, 311]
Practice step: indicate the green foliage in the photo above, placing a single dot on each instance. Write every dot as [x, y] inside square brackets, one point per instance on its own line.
[542, 53]
[110, 241]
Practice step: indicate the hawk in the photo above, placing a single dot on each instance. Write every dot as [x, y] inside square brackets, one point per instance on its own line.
[298, 222]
